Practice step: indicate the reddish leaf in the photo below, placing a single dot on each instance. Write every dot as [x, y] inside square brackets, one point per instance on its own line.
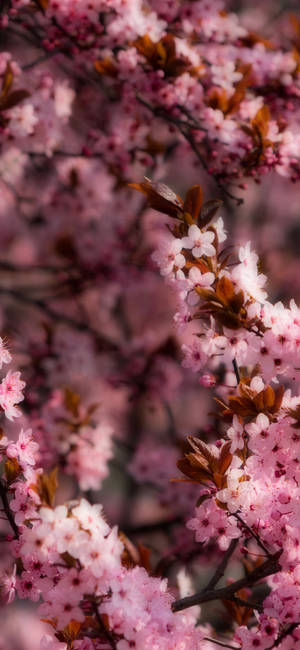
[193, 201]
[261, 120]
[269, 398]
[240, 89]
[42, 4]
[201, 499]
[237, 302]
[72, 401]
[162, 55]
[208, 211]
[225, 290]
[192, 471]
[72, 630]
[160, 197]
[13, 99]
[12, 470]
[106, 67]
[7, 81]
[145, 555]
[203, 449]
[46, 487]
[225, 457]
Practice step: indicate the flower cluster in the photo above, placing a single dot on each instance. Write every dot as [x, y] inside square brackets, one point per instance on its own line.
[91, 583]
[72, 437]
[250, 478]
[223, 307]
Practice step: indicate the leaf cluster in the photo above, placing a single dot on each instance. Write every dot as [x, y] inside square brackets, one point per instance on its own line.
[202, 465]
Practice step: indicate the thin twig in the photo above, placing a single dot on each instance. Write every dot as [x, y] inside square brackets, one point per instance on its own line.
[170, 416]
[247, 603]
[288, 630]
[105, 631]
[40, 59]
[236, 371]
[105, 344]
[221, 643]
[252, 533]
[221, 568]
[7, 510]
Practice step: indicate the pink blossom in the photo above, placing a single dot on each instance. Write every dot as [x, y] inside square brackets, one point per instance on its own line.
[211, 521]
[11, 393]
[23, 120]
[221, 232]
[8, 586]
[49, 643]
[246, 275]
[25, 449]
[198, 279]
[194, 355]
[27, 587]
[169, 256]
[200, 242]
[207, 380]
[88, 459]
[259, 428]
[236, 435]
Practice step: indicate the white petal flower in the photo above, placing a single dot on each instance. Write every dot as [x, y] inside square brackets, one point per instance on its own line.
[200, 242]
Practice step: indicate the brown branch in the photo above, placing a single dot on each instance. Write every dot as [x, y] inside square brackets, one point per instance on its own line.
[7, 510]
[104, 344]
[252, 533]
[40, 59]
[222, 566]
[223, 644]
[247, 603]
[236, 371]
[104, 630]
[288, 630]
[269, 567]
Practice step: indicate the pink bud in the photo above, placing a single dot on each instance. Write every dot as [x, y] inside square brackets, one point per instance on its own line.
[275, 514]
[207, 381]
[284, 498]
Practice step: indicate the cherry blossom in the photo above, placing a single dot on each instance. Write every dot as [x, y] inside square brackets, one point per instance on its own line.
[24, 449]
[199, 242]
[11, 393]
[169, 256]
[235, 433]
[8, 586]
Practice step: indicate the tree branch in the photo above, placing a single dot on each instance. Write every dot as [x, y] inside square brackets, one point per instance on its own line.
[223, 644]
[236, 371]
[7, 510]
[222, 567]
[104, 630]
[288, 630]
[269, 567]
[252, 533]
[106, 345]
